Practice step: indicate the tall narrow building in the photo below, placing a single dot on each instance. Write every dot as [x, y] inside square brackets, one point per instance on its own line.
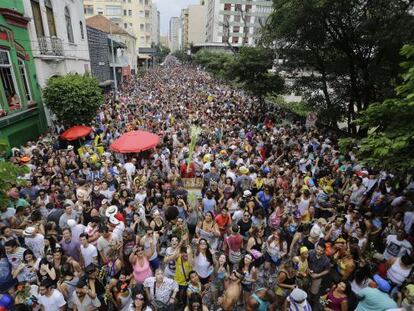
[174, 34]
[236, 21]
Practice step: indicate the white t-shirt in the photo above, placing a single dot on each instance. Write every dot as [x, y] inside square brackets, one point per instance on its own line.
[54, 302]
[396, 248]
[130, 168]
[87, 304]
[88, 253]
[35, 244]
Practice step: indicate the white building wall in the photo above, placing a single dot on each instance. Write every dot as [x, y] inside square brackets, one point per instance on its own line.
[216, 14]
[62, 56]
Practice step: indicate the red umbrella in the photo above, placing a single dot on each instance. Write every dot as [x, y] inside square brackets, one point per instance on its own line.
[135, 141]
[76, 132]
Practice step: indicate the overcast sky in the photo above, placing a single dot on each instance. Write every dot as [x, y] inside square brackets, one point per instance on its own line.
[170, 8]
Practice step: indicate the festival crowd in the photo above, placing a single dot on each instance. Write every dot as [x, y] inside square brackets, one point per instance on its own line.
[281, 219]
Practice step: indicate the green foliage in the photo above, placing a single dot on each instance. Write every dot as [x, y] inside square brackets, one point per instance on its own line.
[250, 69]
[389, 143]
[214, 62]
[9, 174]
[162, 52]
[298, 108]
[182, 56]
[74, 99]
[345, 51]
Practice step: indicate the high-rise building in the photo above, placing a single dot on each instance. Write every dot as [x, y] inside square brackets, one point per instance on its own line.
[184, 28]
[236, 21]
[134, 16]
[155, 19]
[174, 34]
[197, 15]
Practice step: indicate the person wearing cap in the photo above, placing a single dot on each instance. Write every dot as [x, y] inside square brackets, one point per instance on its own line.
[34, 241]
[297, 301]
[302, 264]
[376, 299]
[243, 181]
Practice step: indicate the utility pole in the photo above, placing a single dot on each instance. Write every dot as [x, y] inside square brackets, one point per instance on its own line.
[113, 62]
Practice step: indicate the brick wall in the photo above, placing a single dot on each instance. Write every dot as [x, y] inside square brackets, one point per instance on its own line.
[98, 52]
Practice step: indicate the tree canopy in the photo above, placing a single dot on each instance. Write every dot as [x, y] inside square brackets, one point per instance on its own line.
[389, 143]
[74, 99]
[343, 55]
[248, 69]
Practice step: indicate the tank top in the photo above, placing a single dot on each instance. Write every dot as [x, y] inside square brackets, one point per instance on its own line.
[157, 227]
[247, 275]
[397, 274]
[334, 302]
[262, 303]
[142, 272]
[125, 301]
[257, 246]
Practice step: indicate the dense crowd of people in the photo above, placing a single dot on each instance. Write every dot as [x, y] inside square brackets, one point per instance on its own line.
[282, 219]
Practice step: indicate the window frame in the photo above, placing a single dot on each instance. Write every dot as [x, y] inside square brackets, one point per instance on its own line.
[14, 80]
[69, 27]
[21, 64]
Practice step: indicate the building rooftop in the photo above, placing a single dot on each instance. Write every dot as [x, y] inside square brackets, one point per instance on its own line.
[100, 22]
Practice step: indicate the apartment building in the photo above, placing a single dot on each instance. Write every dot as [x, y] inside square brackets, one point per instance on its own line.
[236, 21]
[134, 16]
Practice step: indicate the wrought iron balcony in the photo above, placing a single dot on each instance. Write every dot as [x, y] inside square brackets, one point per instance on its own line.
[50, 46]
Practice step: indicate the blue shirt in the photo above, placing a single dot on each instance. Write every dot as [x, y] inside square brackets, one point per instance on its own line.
[372, 299]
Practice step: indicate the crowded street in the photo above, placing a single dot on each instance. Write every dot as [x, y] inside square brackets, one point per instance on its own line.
[239, 206]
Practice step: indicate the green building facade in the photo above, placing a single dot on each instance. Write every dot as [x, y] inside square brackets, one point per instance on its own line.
[22, 115]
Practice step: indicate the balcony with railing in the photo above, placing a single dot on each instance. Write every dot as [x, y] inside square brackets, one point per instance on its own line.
[50, 47]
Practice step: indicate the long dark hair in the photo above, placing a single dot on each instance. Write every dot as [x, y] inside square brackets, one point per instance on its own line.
[139, 289]
[195, 298]
[209, 255]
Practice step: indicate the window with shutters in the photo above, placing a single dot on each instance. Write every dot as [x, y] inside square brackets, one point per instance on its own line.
[37, 18]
